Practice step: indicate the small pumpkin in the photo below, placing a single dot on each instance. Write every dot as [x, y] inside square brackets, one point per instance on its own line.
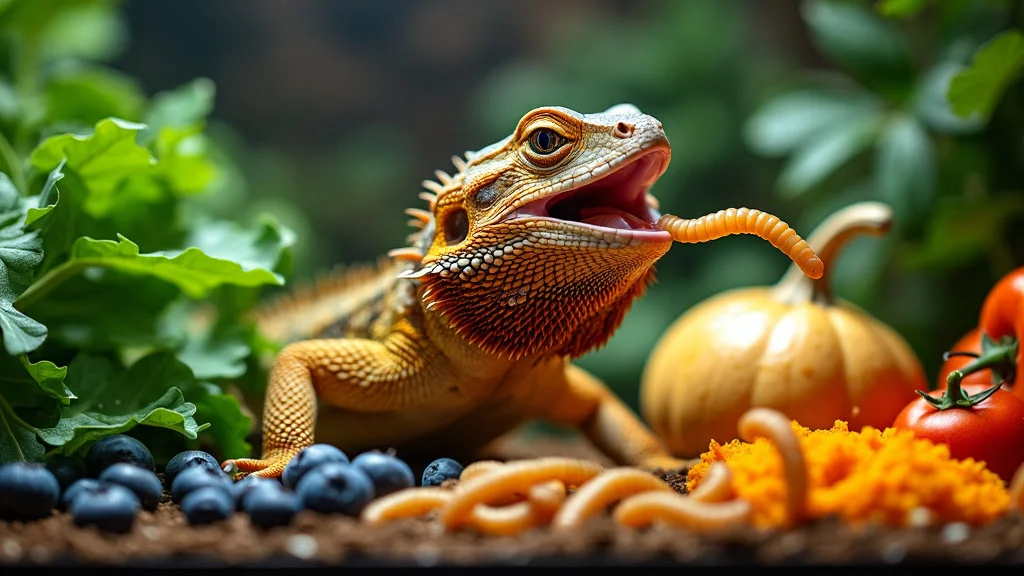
[792, 347]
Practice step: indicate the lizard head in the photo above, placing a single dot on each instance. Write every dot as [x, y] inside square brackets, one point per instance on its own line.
[541, 241]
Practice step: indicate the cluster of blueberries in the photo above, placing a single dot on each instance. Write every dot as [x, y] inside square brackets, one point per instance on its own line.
[117, 479]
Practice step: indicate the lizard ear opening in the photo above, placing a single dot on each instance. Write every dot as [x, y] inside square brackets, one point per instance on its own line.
[456, 226]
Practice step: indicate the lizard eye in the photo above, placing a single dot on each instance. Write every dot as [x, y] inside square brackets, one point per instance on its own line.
[456, 226]
[545, 141]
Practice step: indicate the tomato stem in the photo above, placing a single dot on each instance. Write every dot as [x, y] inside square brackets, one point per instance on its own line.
[1000, 356]
[955, 397]
[948, 355]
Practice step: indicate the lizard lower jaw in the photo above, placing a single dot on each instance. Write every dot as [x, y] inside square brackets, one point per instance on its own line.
[613, 202]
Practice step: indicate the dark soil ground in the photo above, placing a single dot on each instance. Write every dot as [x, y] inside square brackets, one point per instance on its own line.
[163, 538]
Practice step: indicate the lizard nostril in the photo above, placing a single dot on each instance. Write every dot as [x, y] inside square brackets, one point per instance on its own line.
[623, 130]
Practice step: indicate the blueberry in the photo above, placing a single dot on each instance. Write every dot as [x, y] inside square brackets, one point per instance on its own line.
[143, 483]
[76, 488]
[197, 477]
[114, 449]
[246, 486]
[440, 470]
[309, 458]
[207, 505]
[66, 469]
[28, 491]
[335, 488]
[270, 508]
[188, 459]
[389, 473]
[110, 507]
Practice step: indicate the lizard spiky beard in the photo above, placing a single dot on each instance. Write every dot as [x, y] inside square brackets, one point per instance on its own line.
[557, 274]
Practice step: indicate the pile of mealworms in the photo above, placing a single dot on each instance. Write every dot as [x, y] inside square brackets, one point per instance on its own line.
[507, 498]
[504, 499]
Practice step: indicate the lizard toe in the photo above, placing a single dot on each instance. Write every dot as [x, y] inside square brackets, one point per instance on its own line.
[267, 468]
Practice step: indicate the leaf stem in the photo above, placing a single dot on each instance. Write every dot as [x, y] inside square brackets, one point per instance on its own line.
[7, 416]
[48, 283]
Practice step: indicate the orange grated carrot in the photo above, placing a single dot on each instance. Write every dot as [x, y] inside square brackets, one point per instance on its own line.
[871, 475]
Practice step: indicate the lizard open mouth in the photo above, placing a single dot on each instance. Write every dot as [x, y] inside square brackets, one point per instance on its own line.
[614, 199]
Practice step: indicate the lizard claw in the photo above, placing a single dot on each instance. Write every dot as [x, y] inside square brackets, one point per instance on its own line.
[270, 467]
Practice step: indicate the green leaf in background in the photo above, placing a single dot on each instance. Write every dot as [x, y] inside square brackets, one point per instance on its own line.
[996, 64]
[790, 119]
[184, 107]
[933, 107]
[820, 156]
[32, 17]
[91, 31]
[259, 247]
[190, 269]
[229, 425]
[17, 438]
[24, 384]
[961, 230]
[219, 354]
[50, 379]
[905, 169]
[107, 311]
[39, 218]
[85, 96]
[184, 160]
[112, 401]
[10, 106]
[103, 159]
[900, 8]
[849, 34]
[20, 252]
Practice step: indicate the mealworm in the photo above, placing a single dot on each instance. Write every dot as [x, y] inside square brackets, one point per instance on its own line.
[715, 486]
[776, 427]
[601, 491]
[546, 499]
[1017, 489]
[646, 508]
[745, 221]
[543, 503]
[513, 477]
[477, 468]
[483, 466]
[502, 520]
[406, 503]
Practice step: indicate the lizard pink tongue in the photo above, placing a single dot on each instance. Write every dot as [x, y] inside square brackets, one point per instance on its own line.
[611, 218]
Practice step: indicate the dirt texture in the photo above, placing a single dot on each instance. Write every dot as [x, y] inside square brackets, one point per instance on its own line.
[164, 538]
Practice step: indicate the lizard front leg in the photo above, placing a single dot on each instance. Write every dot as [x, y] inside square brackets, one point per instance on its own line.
[358, 374]
[588, 405]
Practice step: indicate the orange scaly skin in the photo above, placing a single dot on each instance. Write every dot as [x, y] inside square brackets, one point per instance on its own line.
[470, 331]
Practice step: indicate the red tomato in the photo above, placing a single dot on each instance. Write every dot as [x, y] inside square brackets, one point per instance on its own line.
[1002, 320]
[991, 430]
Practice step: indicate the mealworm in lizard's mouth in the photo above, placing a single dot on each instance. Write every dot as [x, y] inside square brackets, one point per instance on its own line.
[613, 199]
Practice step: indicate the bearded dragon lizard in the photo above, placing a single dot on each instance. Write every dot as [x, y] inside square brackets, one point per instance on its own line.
[528, 257]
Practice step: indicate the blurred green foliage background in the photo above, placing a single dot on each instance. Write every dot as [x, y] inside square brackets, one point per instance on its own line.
[328, 113]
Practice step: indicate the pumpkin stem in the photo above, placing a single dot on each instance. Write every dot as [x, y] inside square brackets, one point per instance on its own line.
[1000, 356]
[827, 240]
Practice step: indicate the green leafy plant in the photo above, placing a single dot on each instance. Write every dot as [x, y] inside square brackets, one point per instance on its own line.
[886, 102]
[122, 302]
[915, 109]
